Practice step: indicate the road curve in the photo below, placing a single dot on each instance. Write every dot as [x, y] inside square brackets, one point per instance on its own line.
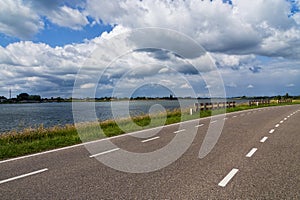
[256, 157]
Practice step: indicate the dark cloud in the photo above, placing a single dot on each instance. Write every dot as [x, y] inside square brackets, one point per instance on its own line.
[255, 69]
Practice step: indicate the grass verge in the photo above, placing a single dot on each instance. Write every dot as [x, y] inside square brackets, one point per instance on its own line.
[33, 140]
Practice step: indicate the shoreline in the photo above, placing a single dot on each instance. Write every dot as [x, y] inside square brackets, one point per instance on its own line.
[29, 140]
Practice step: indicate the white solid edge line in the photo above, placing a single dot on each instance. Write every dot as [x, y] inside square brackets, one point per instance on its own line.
[179, 131]
[263, 139]
[104, 152]
[272, 131]
[150, 139]
[277, 125]
[199, 125]
[24, 175]
[228, 177]
[251, 152]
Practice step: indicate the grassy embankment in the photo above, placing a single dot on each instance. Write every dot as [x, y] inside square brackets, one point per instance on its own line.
[33, 140]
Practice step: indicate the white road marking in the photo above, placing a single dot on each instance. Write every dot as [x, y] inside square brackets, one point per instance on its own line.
[251, 152]
[272, 131]
[281, 122]
[285, 119]
[234, 116]
[150, 139]
[263, 139]
[213, 121]
[228, 177]
[179, 131]
[23, 176]
[104, 152]
[277, 125]
[225, 118]
[199, 125]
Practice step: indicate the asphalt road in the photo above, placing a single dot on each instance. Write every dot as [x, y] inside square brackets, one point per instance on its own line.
[257, 156]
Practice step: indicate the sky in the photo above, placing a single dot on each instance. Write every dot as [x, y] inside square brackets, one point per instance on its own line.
[124, 48]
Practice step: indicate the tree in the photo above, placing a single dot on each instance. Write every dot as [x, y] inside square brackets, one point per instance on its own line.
[286, 96]
[22, 96]
[35, 97]
[278, 97]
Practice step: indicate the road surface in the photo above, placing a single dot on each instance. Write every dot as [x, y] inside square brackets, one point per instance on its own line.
[256, 157]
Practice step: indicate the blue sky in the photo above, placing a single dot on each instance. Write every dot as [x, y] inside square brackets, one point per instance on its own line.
[254, 47]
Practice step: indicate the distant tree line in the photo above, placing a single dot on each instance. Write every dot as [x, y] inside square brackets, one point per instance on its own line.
[27, 97]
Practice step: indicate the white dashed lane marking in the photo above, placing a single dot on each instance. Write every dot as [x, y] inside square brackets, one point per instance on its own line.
[179, 131]
[228, 177]
[23, 176]
[277, 125]
[272, 131]
[150, 139]
[263, 139]
[251, 152]
[105, 152]
[199, 125]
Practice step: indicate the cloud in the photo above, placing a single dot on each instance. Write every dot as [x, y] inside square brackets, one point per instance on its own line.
[24, 19]
[233, 61]
[262, 28]
[237, 28]
[36, 67]
[232, 85]
[68, 17]
[290, 85]
[237, 36]
[184, 86]
[87, 86]
[255, 69]
[18, 20]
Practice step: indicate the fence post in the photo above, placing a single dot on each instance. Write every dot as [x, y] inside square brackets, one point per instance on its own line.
[196, 107]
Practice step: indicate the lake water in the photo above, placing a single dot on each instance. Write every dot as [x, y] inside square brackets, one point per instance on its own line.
[20, 116]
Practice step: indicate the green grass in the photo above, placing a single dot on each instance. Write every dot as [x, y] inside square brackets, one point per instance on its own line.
[33, 140]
